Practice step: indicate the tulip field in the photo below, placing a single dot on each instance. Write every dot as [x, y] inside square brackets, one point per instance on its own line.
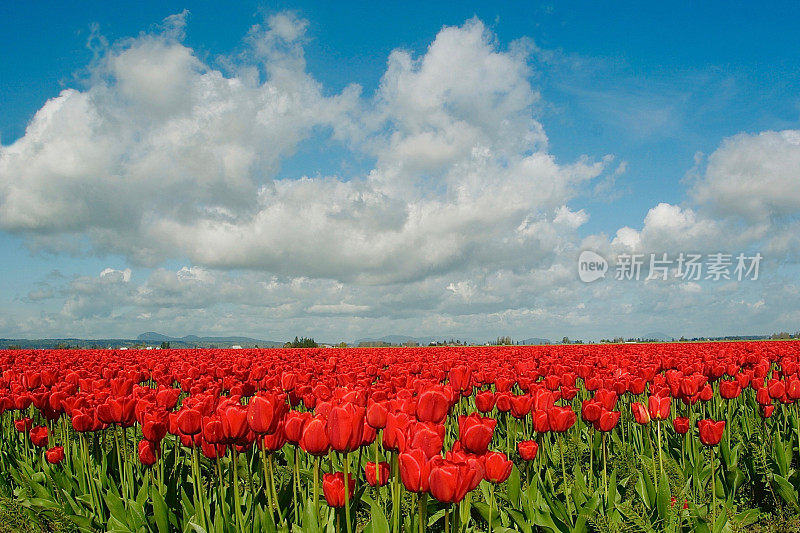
[631, 437]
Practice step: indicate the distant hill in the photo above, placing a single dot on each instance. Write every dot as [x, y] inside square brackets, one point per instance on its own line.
[657, 336]
[145, 339]
[535, 340]
[398, 340]
[204, 342]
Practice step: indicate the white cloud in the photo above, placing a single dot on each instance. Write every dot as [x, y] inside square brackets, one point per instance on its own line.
[165, 156]
[465, 222]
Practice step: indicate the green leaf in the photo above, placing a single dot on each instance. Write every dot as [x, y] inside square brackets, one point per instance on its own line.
[379, 522]
[746, 518]
[786, 491]
[160, 512]
[663, 497]
[514, 487]
[310, 519]
[779, 455]
[719, 524]
[520, 520]
[117, 508]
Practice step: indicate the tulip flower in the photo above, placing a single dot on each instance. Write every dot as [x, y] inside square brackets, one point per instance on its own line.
[450, 480]
[681, 425]
[414, 470]
[528, 449]
[54, 455]
[23, 425]
[484, 401]
[497, 466]
[561, 419]
[640, 414]
[729, 389]
[190, 421]
[39, 436]
[148, 452]
[377, 475]
[333, 488]
[710, 431]
[432, 406]
[377, 414]
[314, 439]
[345, 427]
[262, 415]
[608, 420]
[659, 407]
[475, 432]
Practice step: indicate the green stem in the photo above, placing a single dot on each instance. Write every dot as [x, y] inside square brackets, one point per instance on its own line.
[316, 485]
[347, 492]
[296, 488]
[491, 505]
[395, 493]
[660, 459]
[605, 461]
[267, 487]
[236, 498]
[564, 472]
[423, 504]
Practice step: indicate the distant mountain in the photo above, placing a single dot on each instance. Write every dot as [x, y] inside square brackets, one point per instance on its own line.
[657, 336]
[194, 340]
[535, 340]
[404, 339]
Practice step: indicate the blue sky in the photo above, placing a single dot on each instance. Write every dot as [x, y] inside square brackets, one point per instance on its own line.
[622, 109]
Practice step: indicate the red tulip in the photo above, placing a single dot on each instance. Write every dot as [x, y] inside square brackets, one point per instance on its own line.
[640, 414]
[497, 466]
[148, 452]
[54, 455]
[262, 415]
[561, 418]
[345, 427]
[376, 415]
[154, 429]
[659, 407]
[541, 422]
[606, 398]
[23, 425]
[394, 436]
[608, 421]
[315, 437]
[729, 389]
[426, 437]
[528, 449]
[189, 421]
[414, 470]
[450, 480]
[521, 405]
[484, 401]
[377, 475]
[333, 488]
[234, 423]
[432, 406]
[710, 431]
[293, 424]
[475, 432]
[681, 425]
[591, 410]
[39, 436]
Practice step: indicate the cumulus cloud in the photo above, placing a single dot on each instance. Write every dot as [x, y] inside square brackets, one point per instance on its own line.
[165, 156]
[464, 221]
